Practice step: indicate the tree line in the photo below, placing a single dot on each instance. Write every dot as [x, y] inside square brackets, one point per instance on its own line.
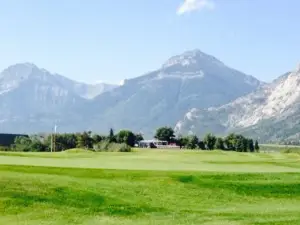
[231, 142]
[124, 140]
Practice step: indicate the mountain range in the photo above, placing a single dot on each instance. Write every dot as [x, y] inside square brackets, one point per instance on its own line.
[193, 92]
[32, 98]
[270, 113]
[163, 96]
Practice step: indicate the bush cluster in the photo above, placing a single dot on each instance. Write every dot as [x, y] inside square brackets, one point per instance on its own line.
[232, 142]
[122, 142]
[106, 146]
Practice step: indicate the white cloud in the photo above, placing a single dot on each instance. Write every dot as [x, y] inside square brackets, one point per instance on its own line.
[195, 5]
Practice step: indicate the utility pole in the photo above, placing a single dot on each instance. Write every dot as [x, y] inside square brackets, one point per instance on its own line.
[53, 144]
[51, 141]
[54, 141]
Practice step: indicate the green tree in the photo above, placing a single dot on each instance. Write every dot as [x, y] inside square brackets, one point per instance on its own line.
[22, 144]
[22, 140]
[85, 140]
[230, 141]
[245, 144]
[127, 137]
[201, 145]
[182, 141]
[165, 134]
[219, 144]
[251, 145]
[65, 141]
[192, 142]
[179, 140]
[239, 146]
[210, 141]
[97, 138]
[38, 146]
[139, 137]
[29, 144]
[256, 146]
[111, 136]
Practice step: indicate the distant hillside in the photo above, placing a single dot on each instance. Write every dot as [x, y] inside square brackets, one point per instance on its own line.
[162, 97]
[270, 113]
[33, 100]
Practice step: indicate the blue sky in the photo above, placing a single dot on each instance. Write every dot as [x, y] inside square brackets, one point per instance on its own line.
[109, 40]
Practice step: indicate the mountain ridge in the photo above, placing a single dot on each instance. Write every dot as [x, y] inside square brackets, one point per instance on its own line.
[175, 89]
[161, 97]
[19, 72]
[270, 102]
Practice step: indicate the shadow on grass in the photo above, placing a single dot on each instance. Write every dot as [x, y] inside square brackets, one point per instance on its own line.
[274, 218]
[292, 164]
[244, 186]
[84, 201]
[287, 221]
[80, 172]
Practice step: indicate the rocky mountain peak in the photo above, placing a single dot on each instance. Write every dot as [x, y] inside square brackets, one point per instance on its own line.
[22, 71]
[190, 57]
[271, 103]
[190, 80]
[21, 74]
[191, 62]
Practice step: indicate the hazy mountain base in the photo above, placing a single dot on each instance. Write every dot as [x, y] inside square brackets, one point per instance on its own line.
[269, 114]
[162, 97]
[283, 131]
[33, 100]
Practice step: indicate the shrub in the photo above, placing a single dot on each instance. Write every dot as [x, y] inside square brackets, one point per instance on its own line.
[124, 148]
[291, 150]
[106, 146]
[4, 149]
[102, 146]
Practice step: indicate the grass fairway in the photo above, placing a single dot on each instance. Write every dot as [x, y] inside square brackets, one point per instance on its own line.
[149, 187]
[279, 148]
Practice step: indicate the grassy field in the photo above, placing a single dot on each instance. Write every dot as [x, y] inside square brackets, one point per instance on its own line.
[279, 148]
[149, 187]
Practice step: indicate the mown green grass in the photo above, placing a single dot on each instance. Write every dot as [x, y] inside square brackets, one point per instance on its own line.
[142, 195]
[165, 160]
[280, 148]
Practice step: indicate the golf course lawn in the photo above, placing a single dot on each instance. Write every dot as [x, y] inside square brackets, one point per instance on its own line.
[149, 187]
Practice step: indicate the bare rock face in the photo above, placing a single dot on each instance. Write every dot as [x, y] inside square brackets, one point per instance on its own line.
[190, 80]
[260, 110]
[33, 99]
